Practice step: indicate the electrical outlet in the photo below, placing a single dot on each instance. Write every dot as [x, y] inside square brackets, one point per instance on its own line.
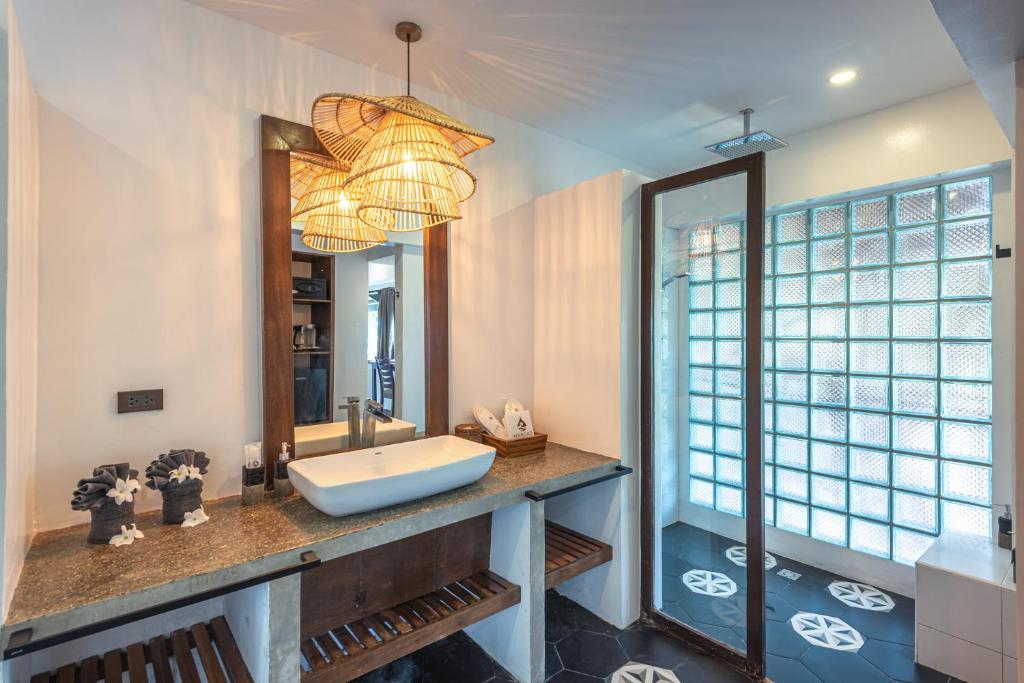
[140, 400]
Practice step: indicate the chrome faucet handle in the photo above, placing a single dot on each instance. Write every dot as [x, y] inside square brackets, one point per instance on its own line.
[375, 409]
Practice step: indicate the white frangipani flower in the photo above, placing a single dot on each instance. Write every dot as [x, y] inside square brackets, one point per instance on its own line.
[124, 491]
[195, 518]
[184, 473]
[127, 536]
[179, 475]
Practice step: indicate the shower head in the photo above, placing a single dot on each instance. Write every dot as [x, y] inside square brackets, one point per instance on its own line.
[748, 143]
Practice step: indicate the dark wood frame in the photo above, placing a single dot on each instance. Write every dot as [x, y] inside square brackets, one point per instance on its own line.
[753, 661]
[278, 138]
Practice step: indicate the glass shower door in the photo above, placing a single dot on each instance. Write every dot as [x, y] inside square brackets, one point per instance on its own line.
[702, 408]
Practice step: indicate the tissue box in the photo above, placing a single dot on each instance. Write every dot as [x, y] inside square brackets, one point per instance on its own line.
[515, 448]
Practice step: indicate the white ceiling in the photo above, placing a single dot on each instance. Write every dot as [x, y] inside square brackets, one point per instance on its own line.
[651, 81]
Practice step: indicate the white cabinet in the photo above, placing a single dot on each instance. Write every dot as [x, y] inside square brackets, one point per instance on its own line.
[966, 616]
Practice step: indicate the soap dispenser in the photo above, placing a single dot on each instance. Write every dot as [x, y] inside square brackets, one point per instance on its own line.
[282, 484]
[1006, 528]
[253, 474]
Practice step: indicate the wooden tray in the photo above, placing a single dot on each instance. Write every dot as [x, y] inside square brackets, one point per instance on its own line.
[519, 447]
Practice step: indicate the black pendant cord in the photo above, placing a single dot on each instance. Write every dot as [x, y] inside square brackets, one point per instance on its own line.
[408, 66]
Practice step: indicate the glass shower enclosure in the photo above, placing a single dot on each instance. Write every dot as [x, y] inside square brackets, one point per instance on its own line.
[702, 265]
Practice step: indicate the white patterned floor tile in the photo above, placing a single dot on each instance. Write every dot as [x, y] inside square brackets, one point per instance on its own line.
[861, 596]
[643, 673]
[822, 630]
[704, 582]
[738, 556]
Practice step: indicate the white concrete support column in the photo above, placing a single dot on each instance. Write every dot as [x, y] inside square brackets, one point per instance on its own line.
[283, 628]
[248, 614]
[515, 637]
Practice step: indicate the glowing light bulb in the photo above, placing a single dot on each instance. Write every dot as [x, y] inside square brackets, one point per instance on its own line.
[343, 202]
[842, 77]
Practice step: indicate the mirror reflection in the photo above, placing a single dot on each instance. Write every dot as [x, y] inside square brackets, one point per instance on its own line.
[358, 344]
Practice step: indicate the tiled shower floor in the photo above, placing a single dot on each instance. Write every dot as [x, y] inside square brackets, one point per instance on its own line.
[887, 652]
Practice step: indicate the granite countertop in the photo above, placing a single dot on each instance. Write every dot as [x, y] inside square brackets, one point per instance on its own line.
[66, 582]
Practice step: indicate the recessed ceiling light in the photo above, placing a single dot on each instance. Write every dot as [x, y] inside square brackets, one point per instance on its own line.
[842, 77]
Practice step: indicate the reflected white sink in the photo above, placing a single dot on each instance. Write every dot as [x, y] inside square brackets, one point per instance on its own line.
[372, 478]
[325, 438]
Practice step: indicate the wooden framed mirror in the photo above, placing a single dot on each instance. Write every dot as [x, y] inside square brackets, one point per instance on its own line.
[303, 333]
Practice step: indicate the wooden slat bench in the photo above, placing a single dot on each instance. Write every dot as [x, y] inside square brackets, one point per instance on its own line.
[347, 651]
[568, 553]
[213, 644]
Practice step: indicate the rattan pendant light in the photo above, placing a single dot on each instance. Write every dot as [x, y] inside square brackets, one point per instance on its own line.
[331, 217]
[340, 234]
[406, 156]
[306, 166]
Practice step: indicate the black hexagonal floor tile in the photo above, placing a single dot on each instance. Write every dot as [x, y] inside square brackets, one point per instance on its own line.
[552, 664]
[836, 666]
[573, 677]
[672, 565]
[672, 589]
[785, 670]
[897, 662]
[893, 627]
[648, 645]
[590, 653]
[777, 608]
[783, 641]
[713, 611]
[707, 670]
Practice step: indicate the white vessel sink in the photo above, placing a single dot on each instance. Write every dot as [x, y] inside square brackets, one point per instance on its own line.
[325, 438]
[371, 478]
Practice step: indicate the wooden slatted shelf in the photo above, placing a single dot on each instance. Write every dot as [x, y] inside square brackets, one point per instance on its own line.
[351, 650]
[213, 646]
[568, 553]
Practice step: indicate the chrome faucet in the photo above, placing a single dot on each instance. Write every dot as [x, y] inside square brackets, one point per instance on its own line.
[373, 413]
[351, 406]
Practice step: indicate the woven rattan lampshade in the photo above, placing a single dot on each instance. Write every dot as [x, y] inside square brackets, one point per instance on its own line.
[409, 177]
[306, 166]
[331, 216]
[406, 156]
[340, 233]
[345, 123]
[327, 194]
[400, 205]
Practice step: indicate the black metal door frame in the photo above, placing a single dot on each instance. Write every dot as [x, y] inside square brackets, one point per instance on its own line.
[753, 166]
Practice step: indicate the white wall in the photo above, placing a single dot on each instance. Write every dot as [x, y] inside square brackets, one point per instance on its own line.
[1018, 350]
[410, 345]
[948, 131]
[21, 296]
[151, 276]
[586, 368]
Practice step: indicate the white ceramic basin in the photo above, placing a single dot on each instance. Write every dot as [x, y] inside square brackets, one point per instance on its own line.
[325, 438]
[372, 478]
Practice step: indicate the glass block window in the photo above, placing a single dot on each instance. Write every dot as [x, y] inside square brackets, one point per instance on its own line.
[878, 369]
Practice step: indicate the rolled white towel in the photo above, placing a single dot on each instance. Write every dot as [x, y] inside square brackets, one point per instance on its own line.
[489, 423]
